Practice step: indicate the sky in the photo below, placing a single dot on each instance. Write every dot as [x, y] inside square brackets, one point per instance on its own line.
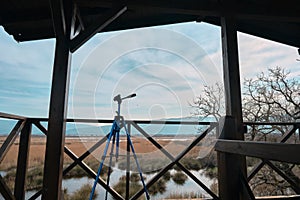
[166, 66]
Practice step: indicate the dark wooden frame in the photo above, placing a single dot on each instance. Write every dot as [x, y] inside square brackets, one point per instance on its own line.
[256, 149]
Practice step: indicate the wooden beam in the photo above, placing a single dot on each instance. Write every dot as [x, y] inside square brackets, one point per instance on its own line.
[231, 126]
[231, 70]
[202, 8]
[36, 195]
[85, 154]
[286, 177]
[52, 181]
[229, 165]
[10, 139]
[92, 174]
[98, 25]
[270, 151]
[10, 116]
[5, 191]
[174, 161]
[284, 138]
[56, 125]
[22, 164]
[246, 186]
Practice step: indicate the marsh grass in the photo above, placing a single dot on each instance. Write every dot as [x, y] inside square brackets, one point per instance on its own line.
[120, 187]
[81, 194]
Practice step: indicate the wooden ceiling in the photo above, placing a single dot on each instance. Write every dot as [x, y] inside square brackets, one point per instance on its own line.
[271, 19]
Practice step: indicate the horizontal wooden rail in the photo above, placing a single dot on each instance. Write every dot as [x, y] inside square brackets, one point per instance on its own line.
[271, 123]
[11, 116]
[264, 150]
[110, 121]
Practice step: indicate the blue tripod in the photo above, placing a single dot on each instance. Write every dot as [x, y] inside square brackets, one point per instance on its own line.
[114, 136]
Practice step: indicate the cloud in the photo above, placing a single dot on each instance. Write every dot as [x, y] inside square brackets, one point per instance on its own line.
[25, 70]
[166, 66]
[257, 54]
[168, 61]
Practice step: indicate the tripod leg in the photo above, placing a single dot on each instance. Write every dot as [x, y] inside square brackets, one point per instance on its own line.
[136, 161]
[112, 132]
[110, 162]
[118, 142]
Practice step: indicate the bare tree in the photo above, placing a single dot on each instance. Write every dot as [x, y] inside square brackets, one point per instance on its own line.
[210, 103]
[276, 94]
[269, 97]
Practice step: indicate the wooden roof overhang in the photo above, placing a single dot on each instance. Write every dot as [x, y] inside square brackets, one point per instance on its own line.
[271, 19]
[42, 19]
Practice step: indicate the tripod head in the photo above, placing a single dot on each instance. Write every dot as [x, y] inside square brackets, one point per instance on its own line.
[119, 100]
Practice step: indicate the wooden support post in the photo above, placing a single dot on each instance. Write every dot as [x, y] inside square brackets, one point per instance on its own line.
[53, 169]
[23, 161]
[232, 128]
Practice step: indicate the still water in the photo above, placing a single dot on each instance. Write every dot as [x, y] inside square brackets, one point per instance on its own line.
[171, 187]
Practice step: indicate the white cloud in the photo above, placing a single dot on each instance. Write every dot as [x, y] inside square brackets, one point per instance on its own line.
[257, 54]
[128, 62]
[166, 66]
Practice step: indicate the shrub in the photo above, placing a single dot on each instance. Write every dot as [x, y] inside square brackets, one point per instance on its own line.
[179, 178]
[120, 188]
[158, 187]
[167, 176]
[81, 194]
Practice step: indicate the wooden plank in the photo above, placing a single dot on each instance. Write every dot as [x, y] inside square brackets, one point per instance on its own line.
[270, 151]
[98, 25]
[10, 139]
[22, 164]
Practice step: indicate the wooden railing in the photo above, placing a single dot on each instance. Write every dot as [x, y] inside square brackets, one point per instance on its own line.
[24, 126]
[266, 151]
